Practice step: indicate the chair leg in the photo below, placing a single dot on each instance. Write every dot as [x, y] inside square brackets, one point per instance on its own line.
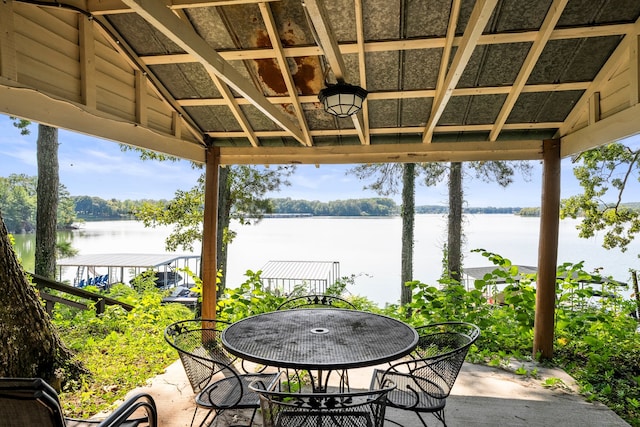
[194, 416]
[440, 416]
[203, 423]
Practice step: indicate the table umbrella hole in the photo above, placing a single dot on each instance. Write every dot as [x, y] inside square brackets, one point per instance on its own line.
[319, 331]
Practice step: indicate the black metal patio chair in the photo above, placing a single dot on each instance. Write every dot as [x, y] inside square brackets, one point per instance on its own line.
[33, 402]
[351, 409]
[424, 380]
[315, 300]
[216, 376]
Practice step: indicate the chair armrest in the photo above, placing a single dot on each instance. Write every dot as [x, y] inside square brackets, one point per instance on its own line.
[129, 407]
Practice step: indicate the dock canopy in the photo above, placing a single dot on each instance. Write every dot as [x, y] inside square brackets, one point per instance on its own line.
[314, 276]
[121, 267]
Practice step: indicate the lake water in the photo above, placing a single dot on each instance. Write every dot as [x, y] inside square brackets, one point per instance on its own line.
[368, 248]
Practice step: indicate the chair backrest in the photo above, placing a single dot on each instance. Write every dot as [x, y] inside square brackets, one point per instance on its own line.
[29, 402]
[316, 301]
[353, 409]
[200, 349]
[438, 358]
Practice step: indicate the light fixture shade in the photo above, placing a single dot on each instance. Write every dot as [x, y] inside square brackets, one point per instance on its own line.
[342, 100]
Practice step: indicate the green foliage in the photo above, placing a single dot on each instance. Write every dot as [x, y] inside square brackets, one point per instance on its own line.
[604, 174]
[248, 299]
[93, 208]
[246, 204]
[18, 204]
[121, 349]
[351, 207]
[595, 338]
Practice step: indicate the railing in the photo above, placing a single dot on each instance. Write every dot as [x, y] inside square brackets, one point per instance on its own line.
[50, 300]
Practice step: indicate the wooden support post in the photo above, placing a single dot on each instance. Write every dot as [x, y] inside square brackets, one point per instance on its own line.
[547, 251]
[209, 233]
[100, 306]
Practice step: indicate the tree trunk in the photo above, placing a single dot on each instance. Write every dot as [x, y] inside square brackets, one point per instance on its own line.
[408, 219]
[47, 201]
[224, 212]
[454, 232]
[30, 346]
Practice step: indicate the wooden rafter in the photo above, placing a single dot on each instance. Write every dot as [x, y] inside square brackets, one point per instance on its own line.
[169, 24]
[479, 17]
[363, 133]
[230, 101]
[549, 23]
[446, 52]
[318, 16]
[274, 38]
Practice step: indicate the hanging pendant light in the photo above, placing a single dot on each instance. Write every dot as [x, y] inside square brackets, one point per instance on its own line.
[342, 99]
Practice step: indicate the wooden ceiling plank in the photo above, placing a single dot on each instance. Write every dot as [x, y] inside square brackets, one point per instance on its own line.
[274, 37]
[618, 57]
[549, 23]
[127, 52]
[610, 129]
[8, 65]
[39, 107]
[477, 22]
[170, 25]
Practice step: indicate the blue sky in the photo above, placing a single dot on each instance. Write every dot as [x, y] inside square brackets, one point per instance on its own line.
[96, 167]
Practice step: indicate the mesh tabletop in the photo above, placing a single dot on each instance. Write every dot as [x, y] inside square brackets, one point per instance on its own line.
[319, 338]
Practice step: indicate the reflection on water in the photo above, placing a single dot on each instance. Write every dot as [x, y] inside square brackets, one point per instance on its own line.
[366, 247]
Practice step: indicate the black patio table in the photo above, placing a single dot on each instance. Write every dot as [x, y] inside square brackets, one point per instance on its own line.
[322, 340]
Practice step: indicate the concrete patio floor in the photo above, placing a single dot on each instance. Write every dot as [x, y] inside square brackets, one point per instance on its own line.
[482, 396]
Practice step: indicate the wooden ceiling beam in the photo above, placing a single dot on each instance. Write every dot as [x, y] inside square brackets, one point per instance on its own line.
[607, 130]
[392, 45]
[477, 22]
[538, 45]
[376, 96]
[413, 130]
[383, 153]
[170, 25]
